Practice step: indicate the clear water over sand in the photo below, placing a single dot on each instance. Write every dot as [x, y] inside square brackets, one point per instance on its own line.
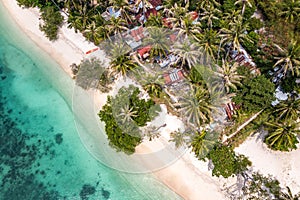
[41, 154]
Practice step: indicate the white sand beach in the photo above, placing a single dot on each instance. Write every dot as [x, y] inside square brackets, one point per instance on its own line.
[188, 176]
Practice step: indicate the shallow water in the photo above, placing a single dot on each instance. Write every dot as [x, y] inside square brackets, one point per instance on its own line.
[41, 154]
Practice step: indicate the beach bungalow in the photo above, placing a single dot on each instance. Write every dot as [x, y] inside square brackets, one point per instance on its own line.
[174, 76]
[144, 52]
[135, 36]
[244, 59]
[230, 109]
[111, 12]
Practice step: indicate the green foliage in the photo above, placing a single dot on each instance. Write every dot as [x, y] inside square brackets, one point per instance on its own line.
[123, 115]
[52, 22]
[282, 136]
[254, 24]
[118, 139]
[202, 143]
[251, 47]
[92, 73]
[262, 188]
[226, 162]
[289, 85]
[255, 94]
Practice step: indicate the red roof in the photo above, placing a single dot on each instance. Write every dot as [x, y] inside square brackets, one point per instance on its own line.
[167, 22]
[155, 3]
[144, 50]
[173, 37]
[137, 34]
[194, 15]
[173, 77]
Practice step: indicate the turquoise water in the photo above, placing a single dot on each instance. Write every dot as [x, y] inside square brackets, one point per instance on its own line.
[41, 154]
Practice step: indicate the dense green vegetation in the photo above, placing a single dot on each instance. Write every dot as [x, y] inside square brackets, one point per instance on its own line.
[93, 74]
[226, 162]
[123, 115]
[52, 20]
[267, 29]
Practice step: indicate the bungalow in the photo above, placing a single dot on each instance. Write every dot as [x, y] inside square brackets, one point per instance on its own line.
[143, 18]
[143, 53]
[244, 59]
[111, 12]
[230, 109]
[173, 76]
[134, 36]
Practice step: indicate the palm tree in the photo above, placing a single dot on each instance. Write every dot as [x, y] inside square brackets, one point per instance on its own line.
[176, 14]
[93, 33]
[210, 15]
[178, 138]
[158, 41]
[152, 83]
[122, 6]
[290, 10]
[235, 33]
[189, 53]
[204, 3]
[288, 110]
[121, 63]
[209, 41]
[229, 76]
[127, 113]
[282, 135]
[154, 20]
[196, 106]
[187, 27]
[81, 16]
[244, 3]
[290, 59]
[116, 26]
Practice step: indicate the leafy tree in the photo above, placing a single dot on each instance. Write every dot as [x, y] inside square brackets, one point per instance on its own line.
[118, 139]
[255, 94]
[123, 115]
[52, 22]
[261, 188]
[226, 162]
[202, 143]
[90, 73]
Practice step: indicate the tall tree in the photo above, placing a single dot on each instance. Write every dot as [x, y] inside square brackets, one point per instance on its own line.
[158, 41]
[229, 75]
[288, 110]
[290, 10]
[289, 61]
[244, 4]
[236, 33]
[282, 135]
[189, 53]
[195, 106]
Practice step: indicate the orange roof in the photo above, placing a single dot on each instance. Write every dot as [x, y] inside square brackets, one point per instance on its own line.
[144, 50]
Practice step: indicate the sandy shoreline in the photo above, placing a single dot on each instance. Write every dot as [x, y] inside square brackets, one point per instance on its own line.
[188, 177]
[181, 176]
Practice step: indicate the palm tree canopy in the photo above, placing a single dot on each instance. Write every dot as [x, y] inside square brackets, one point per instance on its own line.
[290, 59]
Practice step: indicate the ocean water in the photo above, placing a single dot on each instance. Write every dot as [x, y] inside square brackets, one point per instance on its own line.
[41, 154]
